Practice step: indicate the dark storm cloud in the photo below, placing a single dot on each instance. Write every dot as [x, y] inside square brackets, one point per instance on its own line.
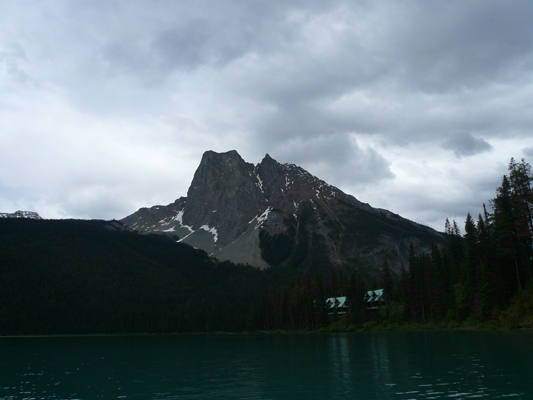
[443, 46]
[465, 144]
[189, 35]
[336, 157]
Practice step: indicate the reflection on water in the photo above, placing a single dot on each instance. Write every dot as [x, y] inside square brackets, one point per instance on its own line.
[432, 365]
[340, 364]
[386, 365]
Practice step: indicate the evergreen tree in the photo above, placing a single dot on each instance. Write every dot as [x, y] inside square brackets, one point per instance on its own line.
[505, 238]
[387, 282]
[354, 295]
[404, 286]
[471, 273]
[441, 285]
[490, 280]
[418, 285]
[520, 178]
[319, 298]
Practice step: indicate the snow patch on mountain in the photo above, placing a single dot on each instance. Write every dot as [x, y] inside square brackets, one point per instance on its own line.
[288, 182]
[259, 219]
[259, 183]
[263, 217]
[211, 230]
[179, 218]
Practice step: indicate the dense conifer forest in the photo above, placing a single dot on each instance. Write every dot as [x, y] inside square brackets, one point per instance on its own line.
[88, 277]
[77, 277]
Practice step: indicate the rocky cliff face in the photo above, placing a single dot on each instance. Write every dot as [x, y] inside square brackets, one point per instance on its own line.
[274, 214]
[224, 196]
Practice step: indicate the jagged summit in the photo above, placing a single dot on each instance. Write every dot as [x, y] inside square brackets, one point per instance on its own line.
[273, 214]
[21, 214]
[268, 159]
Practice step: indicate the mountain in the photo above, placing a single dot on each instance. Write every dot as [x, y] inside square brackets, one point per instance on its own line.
[21, 214]
[273, 214]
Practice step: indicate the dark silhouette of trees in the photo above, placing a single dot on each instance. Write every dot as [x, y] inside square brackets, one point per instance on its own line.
[59, 277]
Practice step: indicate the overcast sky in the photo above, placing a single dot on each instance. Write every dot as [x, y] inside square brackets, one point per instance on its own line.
[413, 106]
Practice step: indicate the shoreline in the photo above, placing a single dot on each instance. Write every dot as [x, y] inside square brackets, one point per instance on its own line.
[377, 329]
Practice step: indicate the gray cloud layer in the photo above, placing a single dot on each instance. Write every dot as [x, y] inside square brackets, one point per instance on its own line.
[464, 144]
[414, 106]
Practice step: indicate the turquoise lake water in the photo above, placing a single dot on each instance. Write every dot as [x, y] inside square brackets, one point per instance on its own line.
[382, 365]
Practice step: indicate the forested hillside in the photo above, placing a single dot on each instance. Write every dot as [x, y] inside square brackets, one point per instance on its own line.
[67, 276]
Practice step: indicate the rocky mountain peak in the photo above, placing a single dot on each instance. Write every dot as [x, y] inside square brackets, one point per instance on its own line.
[230, 158]
[279, 214]
[268, 160]
[216, 170]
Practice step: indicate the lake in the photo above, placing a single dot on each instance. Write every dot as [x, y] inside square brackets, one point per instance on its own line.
[381, 365]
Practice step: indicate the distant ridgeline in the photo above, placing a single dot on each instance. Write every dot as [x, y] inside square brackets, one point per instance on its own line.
[21, 214]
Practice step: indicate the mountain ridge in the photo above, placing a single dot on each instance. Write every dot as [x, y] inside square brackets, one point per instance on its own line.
[21, 214]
